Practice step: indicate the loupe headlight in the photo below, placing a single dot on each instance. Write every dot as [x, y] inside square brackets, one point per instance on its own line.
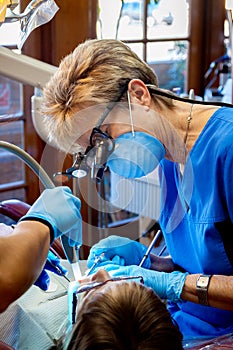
[77, 170]
[94, 158]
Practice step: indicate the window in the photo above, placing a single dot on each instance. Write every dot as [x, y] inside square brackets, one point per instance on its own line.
[12, 182]
[158, 31]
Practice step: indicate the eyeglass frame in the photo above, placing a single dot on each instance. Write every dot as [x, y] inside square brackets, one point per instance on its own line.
[80, 157]
[76, 288]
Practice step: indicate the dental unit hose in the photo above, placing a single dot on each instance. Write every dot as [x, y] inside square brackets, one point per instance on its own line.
[70, 252]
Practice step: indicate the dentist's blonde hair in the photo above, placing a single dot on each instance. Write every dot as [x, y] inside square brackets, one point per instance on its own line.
[94, 73]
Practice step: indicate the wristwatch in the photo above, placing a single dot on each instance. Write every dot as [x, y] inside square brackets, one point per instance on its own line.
[202, 289]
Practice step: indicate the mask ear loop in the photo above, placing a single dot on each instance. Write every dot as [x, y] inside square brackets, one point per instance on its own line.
[130, 114]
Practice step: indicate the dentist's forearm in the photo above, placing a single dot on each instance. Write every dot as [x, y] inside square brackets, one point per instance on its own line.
[22, 257]
[220, 291]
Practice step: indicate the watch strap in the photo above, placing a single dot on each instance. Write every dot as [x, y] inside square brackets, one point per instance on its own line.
[202, 285]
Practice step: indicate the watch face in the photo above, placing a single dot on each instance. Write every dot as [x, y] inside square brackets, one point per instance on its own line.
[203, 281]
[202, 289]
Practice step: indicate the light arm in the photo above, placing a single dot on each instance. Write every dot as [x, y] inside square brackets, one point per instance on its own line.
[25, 69]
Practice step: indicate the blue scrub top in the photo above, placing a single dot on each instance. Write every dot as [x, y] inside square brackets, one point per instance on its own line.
[197, 211]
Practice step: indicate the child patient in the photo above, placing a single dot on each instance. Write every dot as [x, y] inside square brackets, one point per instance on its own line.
[121, 314]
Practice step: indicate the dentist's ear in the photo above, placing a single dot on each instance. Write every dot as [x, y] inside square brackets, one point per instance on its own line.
[139, 93]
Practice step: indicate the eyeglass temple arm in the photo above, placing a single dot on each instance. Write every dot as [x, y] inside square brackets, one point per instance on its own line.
[108, 109]
[111, 105]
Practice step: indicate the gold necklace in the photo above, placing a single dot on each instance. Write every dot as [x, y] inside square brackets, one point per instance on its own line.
[188, 124]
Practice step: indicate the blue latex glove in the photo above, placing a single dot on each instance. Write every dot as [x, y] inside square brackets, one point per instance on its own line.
[60, 210]
[43, 280]
[52, 264]
[166, 285]
[120, 250]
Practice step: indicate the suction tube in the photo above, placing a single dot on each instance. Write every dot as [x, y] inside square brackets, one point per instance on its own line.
[70, 252]
[31, 162]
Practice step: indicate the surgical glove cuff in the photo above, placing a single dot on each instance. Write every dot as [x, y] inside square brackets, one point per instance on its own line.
[175, 285]
[166, 285]
[44, 221]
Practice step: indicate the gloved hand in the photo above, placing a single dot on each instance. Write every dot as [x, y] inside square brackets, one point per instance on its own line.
[60, 210]
[52, 264]
[166, 285]
[120, 250]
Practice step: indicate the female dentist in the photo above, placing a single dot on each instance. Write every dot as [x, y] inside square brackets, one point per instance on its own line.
[104, 94]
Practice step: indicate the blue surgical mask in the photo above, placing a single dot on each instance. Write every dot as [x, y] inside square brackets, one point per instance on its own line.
[135, 154]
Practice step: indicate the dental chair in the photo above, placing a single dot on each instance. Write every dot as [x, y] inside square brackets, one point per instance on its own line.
[15, 209]
[4, 346]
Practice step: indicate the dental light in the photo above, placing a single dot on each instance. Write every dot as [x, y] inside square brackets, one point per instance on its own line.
[37, 13]
[12, 16]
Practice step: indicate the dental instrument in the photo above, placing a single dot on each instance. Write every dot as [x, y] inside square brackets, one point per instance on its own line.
[72, 256]
[156, 237]
[58, 270]
[97, 260]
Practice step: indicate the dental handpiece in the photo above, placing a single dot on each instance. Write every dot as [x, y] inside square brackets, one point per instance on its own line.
[156, 237]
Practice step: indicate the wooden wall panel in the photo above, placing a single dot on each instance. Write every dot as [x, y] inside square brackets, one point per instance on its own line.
[206, 39]
[74, 22]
